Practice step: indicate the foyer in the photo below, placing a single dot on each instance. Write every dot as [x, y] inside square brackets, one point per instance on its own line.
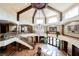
[51, 27]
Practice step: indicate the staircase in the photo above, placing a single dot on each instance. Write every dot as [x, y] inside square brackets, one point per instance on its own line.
[15, 39]
[24, 42]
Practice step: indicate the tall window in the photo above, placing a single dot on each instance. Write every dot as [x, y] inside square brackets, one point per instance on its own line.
[39, 21]
[39, 28]
[71, 13]
[52, 20]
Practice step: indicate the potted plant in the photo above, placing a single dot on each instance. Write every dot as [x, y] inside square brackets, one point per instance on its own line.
[46, 38]
[57, 34]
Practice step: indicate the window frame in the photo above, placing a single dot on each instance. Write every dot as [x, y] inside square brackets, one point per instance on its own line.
[68, 11]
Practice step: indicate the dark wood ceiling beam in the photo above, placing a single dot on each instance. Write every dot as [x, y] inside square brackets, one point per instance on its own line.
[18, 16]
[60, 13]
[61, 16]
[25, 9]
[34, 15]
[51, 8]
[44, 15]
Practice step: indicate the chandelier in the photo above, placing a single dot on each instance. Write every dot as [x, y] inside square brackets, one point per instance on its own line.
[39, 5]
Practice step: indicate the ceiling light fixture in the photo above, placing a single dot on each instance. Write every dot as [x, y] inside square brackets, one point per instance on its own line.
[39, 5]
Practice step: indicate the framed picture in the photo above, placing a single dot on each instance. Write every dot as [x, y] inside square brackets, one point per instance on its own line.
[76, 29]
[73, 29]
[52, 29]
[69, 28]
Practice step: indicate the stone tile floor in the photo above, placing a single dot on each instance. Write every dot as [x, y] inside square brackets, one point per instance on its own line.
[47, 50]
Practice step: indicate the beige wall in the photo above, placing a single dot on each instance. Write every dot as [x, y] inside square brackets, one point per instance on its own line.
[59, 29]
[5, 15]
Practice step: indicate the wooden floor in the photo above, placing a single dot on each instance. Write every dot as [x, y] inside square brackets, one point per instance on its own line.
[46, 49]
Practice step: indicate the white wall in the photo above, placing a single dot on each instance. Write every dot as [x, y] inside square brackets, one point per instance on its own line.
[25, 21]
[5, 15]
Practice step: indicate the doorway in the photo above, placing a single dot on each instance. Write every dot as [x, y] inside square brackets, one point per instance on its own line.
[75, 51]
[4, 28]
[65, 46]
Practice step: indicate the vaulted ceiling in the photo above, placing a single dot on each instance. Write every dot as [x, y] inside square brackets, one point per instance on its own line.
[13, 8]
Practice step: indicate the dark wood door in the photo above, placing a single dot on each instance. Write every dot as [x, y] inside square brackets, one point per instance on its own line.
[30, 29]
[65, 46]
[41, 39]
[3, 29]
[36, 39]
[75, 51]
